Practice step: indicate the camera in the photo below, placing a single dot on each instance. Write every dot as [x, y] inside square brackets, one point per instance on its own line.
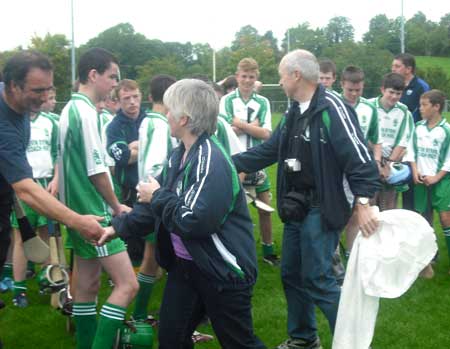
[292, 165]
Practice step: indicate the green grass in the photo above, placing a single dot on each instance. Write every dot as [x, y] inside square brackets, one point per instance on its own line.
[417, 320]
[424, 62]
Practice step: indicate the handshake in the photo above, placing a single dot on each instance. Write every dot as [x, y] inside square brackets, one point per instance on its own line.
[100, 235]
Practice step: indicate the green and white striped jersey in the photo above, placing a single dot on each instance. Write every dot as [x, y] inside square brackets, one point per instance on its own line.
[257, 107]
[82, 155]
[54, 116]
[430, 148]
[155, 144]
[105, 119]
[396, 126]
[42, 150]
[368, 120]
[227, 137]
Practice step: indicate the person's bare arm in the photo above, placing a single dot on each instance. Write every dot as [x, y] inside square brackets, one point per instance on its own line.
[103, 185]
[134, 150]
[397, 153]
[43, 202]
[253, 128]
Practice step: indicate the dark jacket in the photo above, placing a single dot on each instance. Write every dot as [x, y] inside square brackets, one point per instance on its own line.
[337, 146]
[121, 131]
[201, 201]
[411, 96]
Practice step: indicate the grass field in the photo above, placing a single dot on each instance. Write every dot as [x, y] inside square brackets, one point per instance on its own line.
[418, 320]
[424, 62]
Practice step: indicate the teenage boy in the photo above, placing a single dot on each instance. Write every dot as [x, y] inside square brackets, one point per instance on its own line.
[155, 145]
[85, 186]
[352, 83]
[327, 73]
[396, 127]
[429, 155]
[250, 117]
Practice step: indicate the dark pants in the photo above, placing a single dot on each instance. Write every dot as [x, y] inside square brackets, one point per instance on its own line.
[408, 198]
[307, 275]
[188, 296]
[135, 244]
[5, 227]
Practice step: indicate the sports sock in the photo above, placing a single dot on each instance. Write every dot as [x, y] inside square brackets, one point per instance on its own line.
[30, 266]
[146, 283]
[85, 317]
[19, 287]
[111, 319]
[267, 249]
[7, 271]
[446, 232]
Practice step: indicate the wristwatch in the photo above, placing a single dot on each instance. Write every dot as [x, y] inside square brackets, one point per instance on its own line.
[362, 201]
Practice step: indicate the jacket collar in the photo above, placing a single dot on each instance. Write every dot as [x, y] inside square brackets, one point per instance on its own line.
[121, 115]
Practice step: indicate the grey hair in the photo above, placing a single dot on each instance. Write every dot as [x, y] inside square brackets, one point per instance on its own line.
[196, 100]
[304, 62]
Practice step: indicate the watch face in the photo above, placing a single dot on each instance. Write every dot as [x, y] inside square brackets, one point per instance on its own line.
[363, 201]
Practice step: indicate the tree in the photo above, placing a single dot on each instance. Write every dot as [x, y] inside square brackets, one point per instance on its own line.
[384, 33]
[339, 30]
[57, 48]
[304, 37]
[374, 62]
[132, 49]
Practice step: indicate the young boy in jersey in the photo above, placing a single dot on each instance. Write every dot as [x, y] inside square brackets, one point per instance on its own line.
[429, 155]
[396, 127]
[41, 155]
[250, 116]
[85, 186]
[155, 145]
[352, 84]
[327, 73]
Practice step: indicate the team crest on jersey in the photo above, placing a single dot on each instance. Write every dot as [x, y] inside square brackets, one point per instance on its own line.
[364, 119]
[409, 92]
[96, 156]
[46, 133]
[435, 143]
[395, 122]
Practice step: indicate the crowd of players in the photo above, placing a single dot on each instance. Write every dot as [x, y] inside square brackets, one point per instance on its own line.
[106, 154]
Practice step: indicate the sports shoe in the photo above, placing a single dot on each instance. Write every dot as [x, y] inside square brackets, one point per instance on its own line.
[6, 285]
[2, 304]
[272, 259]
[300, 344]
[20, 300]
[198, 337]
[29, 274]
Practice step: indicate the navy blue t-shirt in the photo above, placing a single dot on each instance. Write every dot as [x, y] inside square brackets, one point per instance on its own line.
[14, 138]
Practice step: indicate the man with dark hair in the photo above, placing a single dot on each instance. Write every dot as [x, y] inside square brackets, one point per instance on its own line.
[405, 65]
[28, 79]
[85, 185]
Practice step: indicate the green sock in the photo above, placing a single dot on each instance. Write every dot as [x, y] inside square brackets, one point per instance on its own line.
[85, 317]
[7, 271]
[30, 265]
[111, 319]
[446, 232]
[19, 287]
[267, 249]
[146, 283]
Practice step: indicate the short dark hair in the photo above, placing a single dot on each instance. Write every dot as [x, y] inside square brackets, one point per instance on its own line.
[394, 81]
[327, 66]
[95, 58]
[408, 60]
[158, 85]
[435, 97]
[352, 74]
[17, 67]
